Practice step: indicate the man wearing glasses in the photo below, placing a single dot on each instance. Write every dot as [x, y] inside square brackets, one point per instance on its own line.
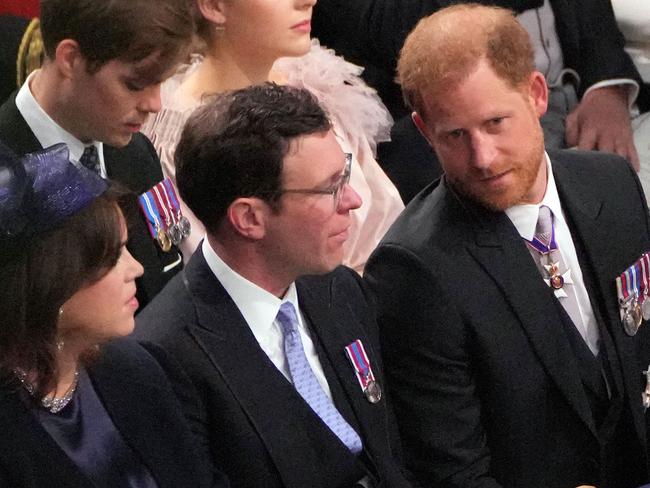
[286, 366]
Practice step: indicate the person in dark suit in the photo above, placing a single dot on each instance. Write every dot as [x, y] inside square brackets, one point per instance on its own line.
[509, 357]
[267, 347]
[371, 33]
[78, 406]
[99, 81]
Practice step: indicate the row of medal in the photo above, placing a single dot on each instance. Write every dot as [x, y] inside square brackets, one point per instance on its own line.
[633, 289]
[166, 223]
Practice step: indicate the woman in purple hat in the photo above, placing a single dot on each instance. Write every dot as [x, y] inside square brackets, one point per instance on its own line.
[77, 408]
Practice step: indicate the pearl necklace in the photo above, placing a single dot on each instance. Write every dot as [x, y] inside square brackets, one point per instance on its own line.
[53, 404]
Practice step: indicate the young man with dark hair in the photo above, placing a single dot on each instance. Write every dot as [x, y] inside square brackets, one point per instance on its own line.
[104, 62]
[287, 365]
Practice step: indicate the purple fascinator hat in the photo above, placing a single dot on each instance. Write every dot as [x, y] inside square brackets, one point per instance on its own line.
[41, 190]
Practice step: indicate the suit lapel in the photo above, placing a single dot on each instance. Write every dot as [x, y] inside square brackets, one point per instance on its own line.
[14, 130]
[132, 405]
[336, 326]
[585, 210]
[263, 392]
[503, 255]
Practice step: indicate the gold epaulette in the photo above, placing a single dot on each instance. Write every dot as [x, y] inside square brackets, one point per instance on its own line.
[30, 52]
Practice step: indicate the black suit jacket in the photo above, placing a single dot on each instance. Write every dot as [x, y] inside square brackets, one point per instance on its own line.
[261, 432]
[486, 388]
[142, 405]
[136, 167]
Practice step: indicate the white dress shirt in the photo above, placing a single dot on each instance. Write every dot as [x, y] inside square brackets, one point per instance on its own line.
[260, 309]
[47, 131]
[524, 218]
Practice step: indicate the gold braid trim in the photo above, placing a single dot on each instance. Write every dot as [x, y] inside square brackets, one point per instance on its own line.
[30, 52]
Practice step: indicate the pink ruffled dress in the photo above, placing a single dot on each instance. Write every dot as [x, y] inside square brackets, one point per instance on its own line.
[360, 121]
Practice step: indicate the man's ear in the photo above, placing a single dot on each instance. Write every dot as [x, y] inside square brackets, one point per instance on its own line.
[538, 92]
[248, 216]
[68, 58]
[419, 123]
[213, 11]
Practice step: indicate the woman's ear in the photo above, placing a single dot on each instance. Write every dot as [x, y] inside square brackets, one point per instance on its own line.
[213, 11]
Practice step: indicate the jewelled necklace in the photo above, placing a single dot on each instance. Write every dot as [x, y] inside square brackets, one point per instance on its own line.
[53, 404]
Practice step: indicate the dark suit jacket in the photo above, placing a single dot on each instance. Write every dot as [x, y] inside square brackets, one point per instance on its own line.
[140, 401]
[486, 388]
[135, 166]
[260, 430]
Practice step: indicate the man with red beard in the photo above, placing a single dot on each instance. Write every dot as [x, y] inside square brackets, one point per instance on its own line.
[511, 294]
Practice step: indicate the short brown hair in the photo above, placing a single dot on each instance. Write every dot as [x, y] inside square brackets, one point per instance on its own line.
[234, 146]
[447, 46]
[129, 30]
[42, 274]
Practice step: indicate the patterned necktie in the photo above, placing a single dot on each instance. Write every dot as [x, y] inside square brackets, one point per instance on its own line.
[90, 158]
[307, 385]
[553, 269]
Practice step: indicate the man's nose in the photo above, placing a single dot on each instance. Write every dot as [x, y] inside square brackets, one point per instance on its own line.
[483, 149]
[150, 101]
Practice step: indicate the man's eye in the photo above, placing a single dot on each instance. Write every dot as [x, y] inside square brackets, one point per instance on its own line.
[133, 85]
[455, 134]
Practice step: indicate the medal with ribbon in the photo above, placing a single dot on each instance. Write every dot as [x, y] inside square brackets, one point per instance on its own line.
[181, 221]
[162, 210]
[154, 222]
[555, 280]
[645, 283]
[356, 353]
[165, 207]
[632, 290]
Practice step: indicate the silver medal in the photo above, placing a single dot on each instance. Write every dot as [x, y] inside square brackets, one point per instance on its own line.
[175, 234]
[629, 324]
[645, 308]
[184, 226]
[372, 391]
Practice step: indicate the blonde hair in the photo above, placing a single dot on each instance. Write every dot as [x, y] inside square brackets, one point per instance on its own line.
[447, 46]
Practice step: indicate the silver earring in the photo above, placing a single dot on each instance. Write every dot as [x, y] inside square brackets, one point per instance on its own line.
[60, 311]
[59, 345]
[219, 28]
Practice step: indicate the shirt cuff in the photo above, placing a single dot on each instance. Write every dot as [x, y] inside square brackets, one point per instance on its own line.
[632, 92]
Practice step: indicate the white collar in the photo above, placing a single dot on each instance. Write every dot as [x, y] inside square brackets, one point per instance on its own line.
[258, 306]
[46, 130]
[524, 217]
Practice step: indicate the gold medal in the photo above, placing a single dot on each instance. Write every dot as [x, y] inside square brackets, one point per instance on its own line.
[163, 240]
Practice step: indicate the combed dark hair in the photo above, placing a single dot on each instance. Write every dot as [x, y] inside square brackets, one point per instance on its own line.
[234, 145]
[129, 30]
[43, 275]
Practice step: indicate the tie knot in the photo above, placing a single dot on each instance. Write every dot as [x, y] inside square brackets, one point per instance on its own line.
[90, 159]
[544, 228]
[287, 318]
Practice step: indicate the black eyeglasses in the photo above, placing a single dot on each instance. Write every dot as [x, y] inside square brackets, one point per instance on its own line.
[336, 190]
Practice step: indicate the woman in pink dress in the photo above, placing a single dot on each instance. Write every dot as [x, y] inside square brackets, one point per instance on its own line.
[254, 41]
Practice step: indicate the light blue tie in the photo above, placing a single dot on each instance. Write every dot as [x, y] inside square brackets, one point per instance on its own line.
[307, 385]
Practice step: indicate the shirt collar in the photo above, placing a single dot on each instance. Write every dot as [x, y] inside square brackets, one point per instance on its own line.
[524, 217]
[46, 130]
[258, 306]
